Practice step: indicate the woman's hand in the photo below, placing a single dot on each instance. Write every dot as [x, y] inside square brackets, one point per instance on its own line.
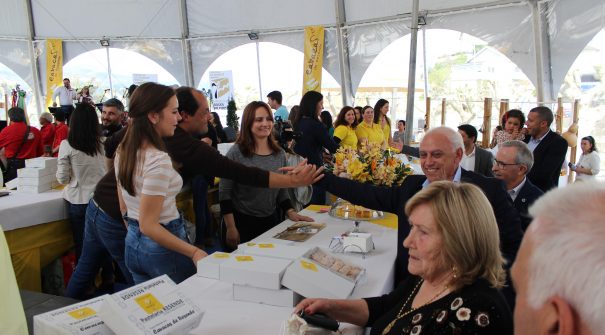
[232, 238]
[294, 216]
[197, 255]
[312, 306]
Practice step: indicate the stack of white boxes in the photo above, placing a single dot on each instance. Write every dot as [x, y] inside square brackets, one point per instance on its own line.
[256, 271]
[39, 175]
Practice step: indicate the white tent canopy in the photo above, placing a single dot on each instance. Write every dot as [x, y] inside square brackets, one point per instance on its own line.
[186, 36]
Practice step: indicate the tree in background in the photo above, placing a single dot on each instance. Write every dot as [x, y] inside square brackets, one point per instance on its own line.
[232, 118]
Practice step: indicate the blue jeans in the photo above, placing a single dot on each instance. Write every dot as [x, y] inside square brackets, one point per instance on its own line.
[146, 259]
[203, 227]
[103, 236]
[77, 218]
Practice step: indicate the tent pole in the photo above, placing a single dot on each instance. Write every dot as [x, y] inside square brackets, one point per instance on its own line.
[409, 116]
[109, 72]
[343, 55]
[425, 67]
[186, 45]
[542, 54]
[37, 89]
[260, 85]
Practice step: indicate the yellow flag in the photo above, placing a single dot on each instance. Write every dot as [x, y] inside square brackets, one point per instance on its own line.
[314, 54]
[54, 67]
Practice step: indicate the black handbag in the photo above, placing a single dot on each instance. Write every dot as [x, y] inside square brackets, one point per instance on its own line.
[9, 172]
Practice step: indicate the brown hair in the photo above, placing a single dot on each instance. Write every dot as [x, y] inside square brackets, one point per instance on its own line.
[466, 221]
[340, 119]
[245, 141]
[147, 99]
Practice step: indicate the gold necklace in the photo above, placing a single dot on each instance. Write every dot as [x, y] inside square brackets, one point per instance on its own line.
[401, 314]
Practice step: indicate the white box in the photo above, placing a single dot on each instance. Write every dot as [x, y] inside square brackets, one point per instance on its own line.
[31, 172]
[209, 266]
[35, 188]
[27, 181]
[41, 162]
[257, 271]
[283, 297]
[267, 249]
[80, 318]
[358, 242]
[12, 185]
[312, 280]
[153, 307]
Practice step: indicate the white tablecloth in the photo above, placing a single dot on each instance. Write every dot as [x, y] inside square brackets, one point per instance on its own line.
[226, 316]
[19, 210]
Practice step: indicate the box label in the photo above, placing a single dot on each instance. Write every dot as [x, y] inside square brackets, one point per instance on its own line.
[244, 258]
[266, 245]
[221, 255]
[250, 244]
[82, 313]
[149, 303]
[308, 266]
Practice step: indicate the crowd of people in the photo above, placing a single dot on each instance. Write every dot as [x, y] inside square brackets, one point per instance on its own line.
[472, 215]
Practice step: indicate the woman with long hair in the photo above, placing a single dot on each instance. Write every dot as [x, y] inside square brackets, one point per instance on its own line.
[80, 166]
[345, 124]
[215, 121]
[512, 128]
[315, 137]
[250, 211]
[326, 119]
[367, 131]
[156, 242]
[381, 110]
[84, 96]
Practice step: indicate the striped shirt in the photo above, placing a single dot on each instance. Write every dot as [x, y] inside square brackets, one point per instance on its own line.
[155, 176]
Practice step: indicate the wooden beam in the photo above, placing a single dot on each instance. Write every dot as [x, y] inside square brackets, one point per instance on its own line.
[487, 122]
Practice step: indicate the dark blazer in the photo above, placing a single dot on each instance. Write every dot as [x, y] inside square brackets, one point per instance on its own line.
[484, 160]
[548, 160]
[393, 200]
[526, 197]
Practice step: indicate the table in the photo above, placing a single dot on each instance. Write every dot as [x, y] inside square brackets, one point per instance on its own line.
[37, 232]
[226, 316]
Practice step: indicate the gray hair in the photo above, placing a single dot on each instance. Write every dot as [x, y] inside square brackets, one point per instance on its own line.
[47, 116]
[452, 136]
[524, 156]
[569, 253]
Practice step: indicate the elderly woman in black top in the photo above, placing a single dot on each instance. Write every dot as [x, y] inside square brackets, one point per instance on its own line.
[314, 139]
[456, 270]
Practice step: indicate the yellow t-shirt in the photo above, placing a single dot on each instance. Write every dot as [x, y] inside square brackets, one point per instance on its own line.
[387, 132]
[372, 133]
[347, 136]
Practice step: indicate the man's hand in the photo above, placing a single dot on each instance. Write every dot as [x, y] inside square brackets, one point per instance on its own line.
[303, 174]
[232, 237]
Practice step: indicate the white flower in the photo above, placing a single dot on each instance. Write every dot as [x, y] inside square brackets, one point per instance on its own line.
[416, 330]
[463, 314]
[482, 319]
[456, 304]
[417, 318]
[441, 316]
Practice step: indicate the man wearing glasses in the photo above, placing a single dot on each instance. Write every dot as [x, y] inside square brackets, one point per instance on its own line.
[513, 162]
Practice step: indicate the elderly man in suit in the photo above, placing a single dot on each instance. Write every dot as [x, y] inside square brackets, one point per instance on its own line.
[474, 158]
[548, 147]
[511, 165]
[441, 151]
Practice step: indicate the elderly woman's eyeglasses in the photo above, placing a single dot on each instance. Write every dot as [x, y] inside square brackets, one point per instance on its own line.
[502, 165]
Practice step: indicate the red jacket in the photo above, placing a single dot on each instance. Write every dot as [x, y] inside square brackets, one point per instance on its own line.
[61, 130]
[12, 136]
[48, 134]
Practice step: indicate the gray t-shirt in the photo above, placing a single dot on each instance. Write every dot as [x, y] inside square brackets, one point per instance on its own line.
[254, 201]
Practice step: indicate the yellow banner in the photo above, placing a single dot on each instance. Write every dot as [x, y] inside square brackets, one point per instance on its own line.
[54, 67]
[314, 55]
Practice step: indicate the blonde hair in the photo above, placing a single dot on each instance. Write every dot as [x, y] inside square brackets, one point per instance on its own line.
[465, 218]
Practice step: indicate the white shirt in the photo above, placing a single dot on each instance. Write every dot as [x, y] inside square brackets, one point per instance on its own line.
[533, 142]
[468, 162]
[515, 191]
[590, 161]
[79, 172]
[66, 96]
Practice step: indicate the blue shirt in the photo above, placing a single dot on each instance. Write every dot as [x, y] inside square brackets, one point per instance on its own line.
[534, 142]
[281, 112]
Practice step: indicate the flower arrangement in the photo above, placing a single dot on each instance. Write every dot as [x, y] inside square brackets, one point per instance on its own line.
[370, 164]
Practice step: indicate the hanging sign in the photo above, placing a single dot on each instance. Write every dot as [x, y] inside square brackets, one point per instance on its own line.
[54, 67]
[314, 54]
[221, 88]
